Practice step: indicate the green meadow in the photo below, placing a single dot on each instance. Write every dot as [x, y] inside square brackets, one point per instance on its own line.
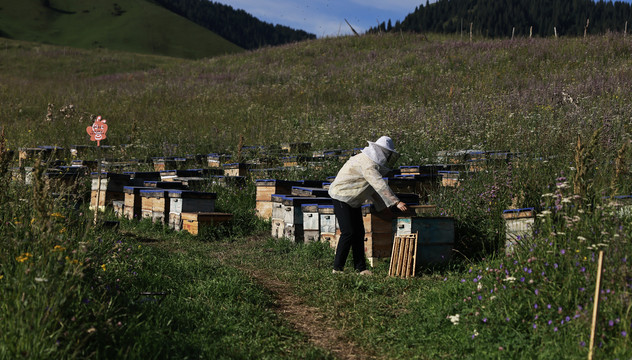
[562, 106]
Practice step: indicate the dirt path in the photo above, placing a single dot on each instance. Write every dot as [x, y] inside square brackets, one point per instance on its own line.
[303, 318]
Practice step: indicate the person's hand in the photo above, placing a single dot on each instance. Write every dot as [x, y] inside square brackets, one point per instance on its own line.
[402, 206]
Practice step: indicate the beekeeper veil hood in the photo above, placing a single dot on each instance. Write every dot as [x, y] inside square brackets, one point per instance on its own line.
[382, 152]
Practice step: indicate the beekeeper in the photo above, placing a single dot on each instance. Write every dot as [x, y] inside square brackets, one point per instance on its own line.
[360, 180]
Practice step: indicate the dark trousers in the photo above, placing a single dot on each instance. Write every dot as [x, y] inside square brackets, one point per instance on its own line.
[351, 236]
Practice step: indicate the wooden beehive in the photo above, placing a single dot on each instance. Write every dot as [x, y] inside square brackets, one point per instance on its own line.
[138, 178]
[81, 150]
[265, 188]
[189, 201]
[119, 207]
[228, 181]
[435, 238]
[111, 189]
[195, 222]
[163, 184]
[378, 234]
[329, 229]
[236, 169]
[518, 227]
[215, 160]
[163, 163]
[294, 148]
[294, 216]
[278, 216]
[155, 204]
[133, 202]
[450, 178]
[309, 191]
[311, 223]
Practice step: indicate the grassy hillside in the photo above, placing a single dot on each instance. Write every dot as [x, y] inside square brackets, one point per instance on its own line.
[133, 25]
[70, 289]
[521, 95]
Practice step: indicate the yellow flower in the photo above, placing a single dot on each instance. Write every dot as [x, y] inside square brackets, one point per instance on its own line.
[24, 257]
[59, 248]
[103, 267]
[58, 215]
[62, 230]
[1, 277]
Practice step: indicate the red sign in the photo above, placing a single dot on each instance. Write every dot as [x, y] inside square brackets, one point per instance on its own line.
[97, 130]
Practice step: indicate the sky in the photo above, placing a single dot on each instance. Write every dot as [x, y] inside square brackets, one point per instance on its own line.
[326, 18]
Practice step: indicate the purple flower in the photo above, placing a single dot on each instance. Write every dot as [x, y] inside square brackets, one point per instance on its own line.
[583, 269]
[550, 322]
[555, 329]
[582, 344]
[611, 323]
[484, 320]
[562, 251]
[623, 333]
[522, 279]
[548, 306]
[535, 326]
[555, 265]
[536, 292]
[462, 280]
[535, 306]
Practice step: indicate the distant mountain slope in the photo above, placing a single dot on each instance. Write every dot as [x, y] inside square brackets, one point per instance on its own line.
[498, 18]
[126, 25]
[237, 26]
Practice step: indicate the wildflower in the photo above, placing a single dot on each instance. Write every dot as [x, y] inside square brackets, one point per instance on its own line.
[555, 329]
[58, 248]
[1, 277]
[39, 279]
[103, 267]
[562, 252]
[624, 333]
[24, 257]
[454, 319]
[57, 215]
[536, 292]
[475, 334]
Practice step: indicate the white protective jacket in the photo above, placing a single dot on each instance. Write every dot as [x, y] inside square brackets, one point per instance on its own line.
[361, 179]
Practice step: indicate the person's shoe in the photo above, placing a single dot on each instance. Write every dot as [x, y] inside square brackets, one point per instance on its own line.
[366, 272]
[334, 271]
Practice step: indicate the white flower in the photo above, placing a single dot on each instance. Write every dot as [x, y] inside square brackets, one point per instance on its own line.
[546, 212]
[510, 279]
[581, 238]
[39, 279]
[479, 286]
[454, 319]
[548, 195]
[475, 333]
[492, 297]
[566, 200]
[563, 185]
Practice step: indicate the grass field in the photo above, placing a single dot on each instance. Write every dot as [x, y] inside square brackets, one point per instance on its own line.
[70, 289]
[135, 26]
